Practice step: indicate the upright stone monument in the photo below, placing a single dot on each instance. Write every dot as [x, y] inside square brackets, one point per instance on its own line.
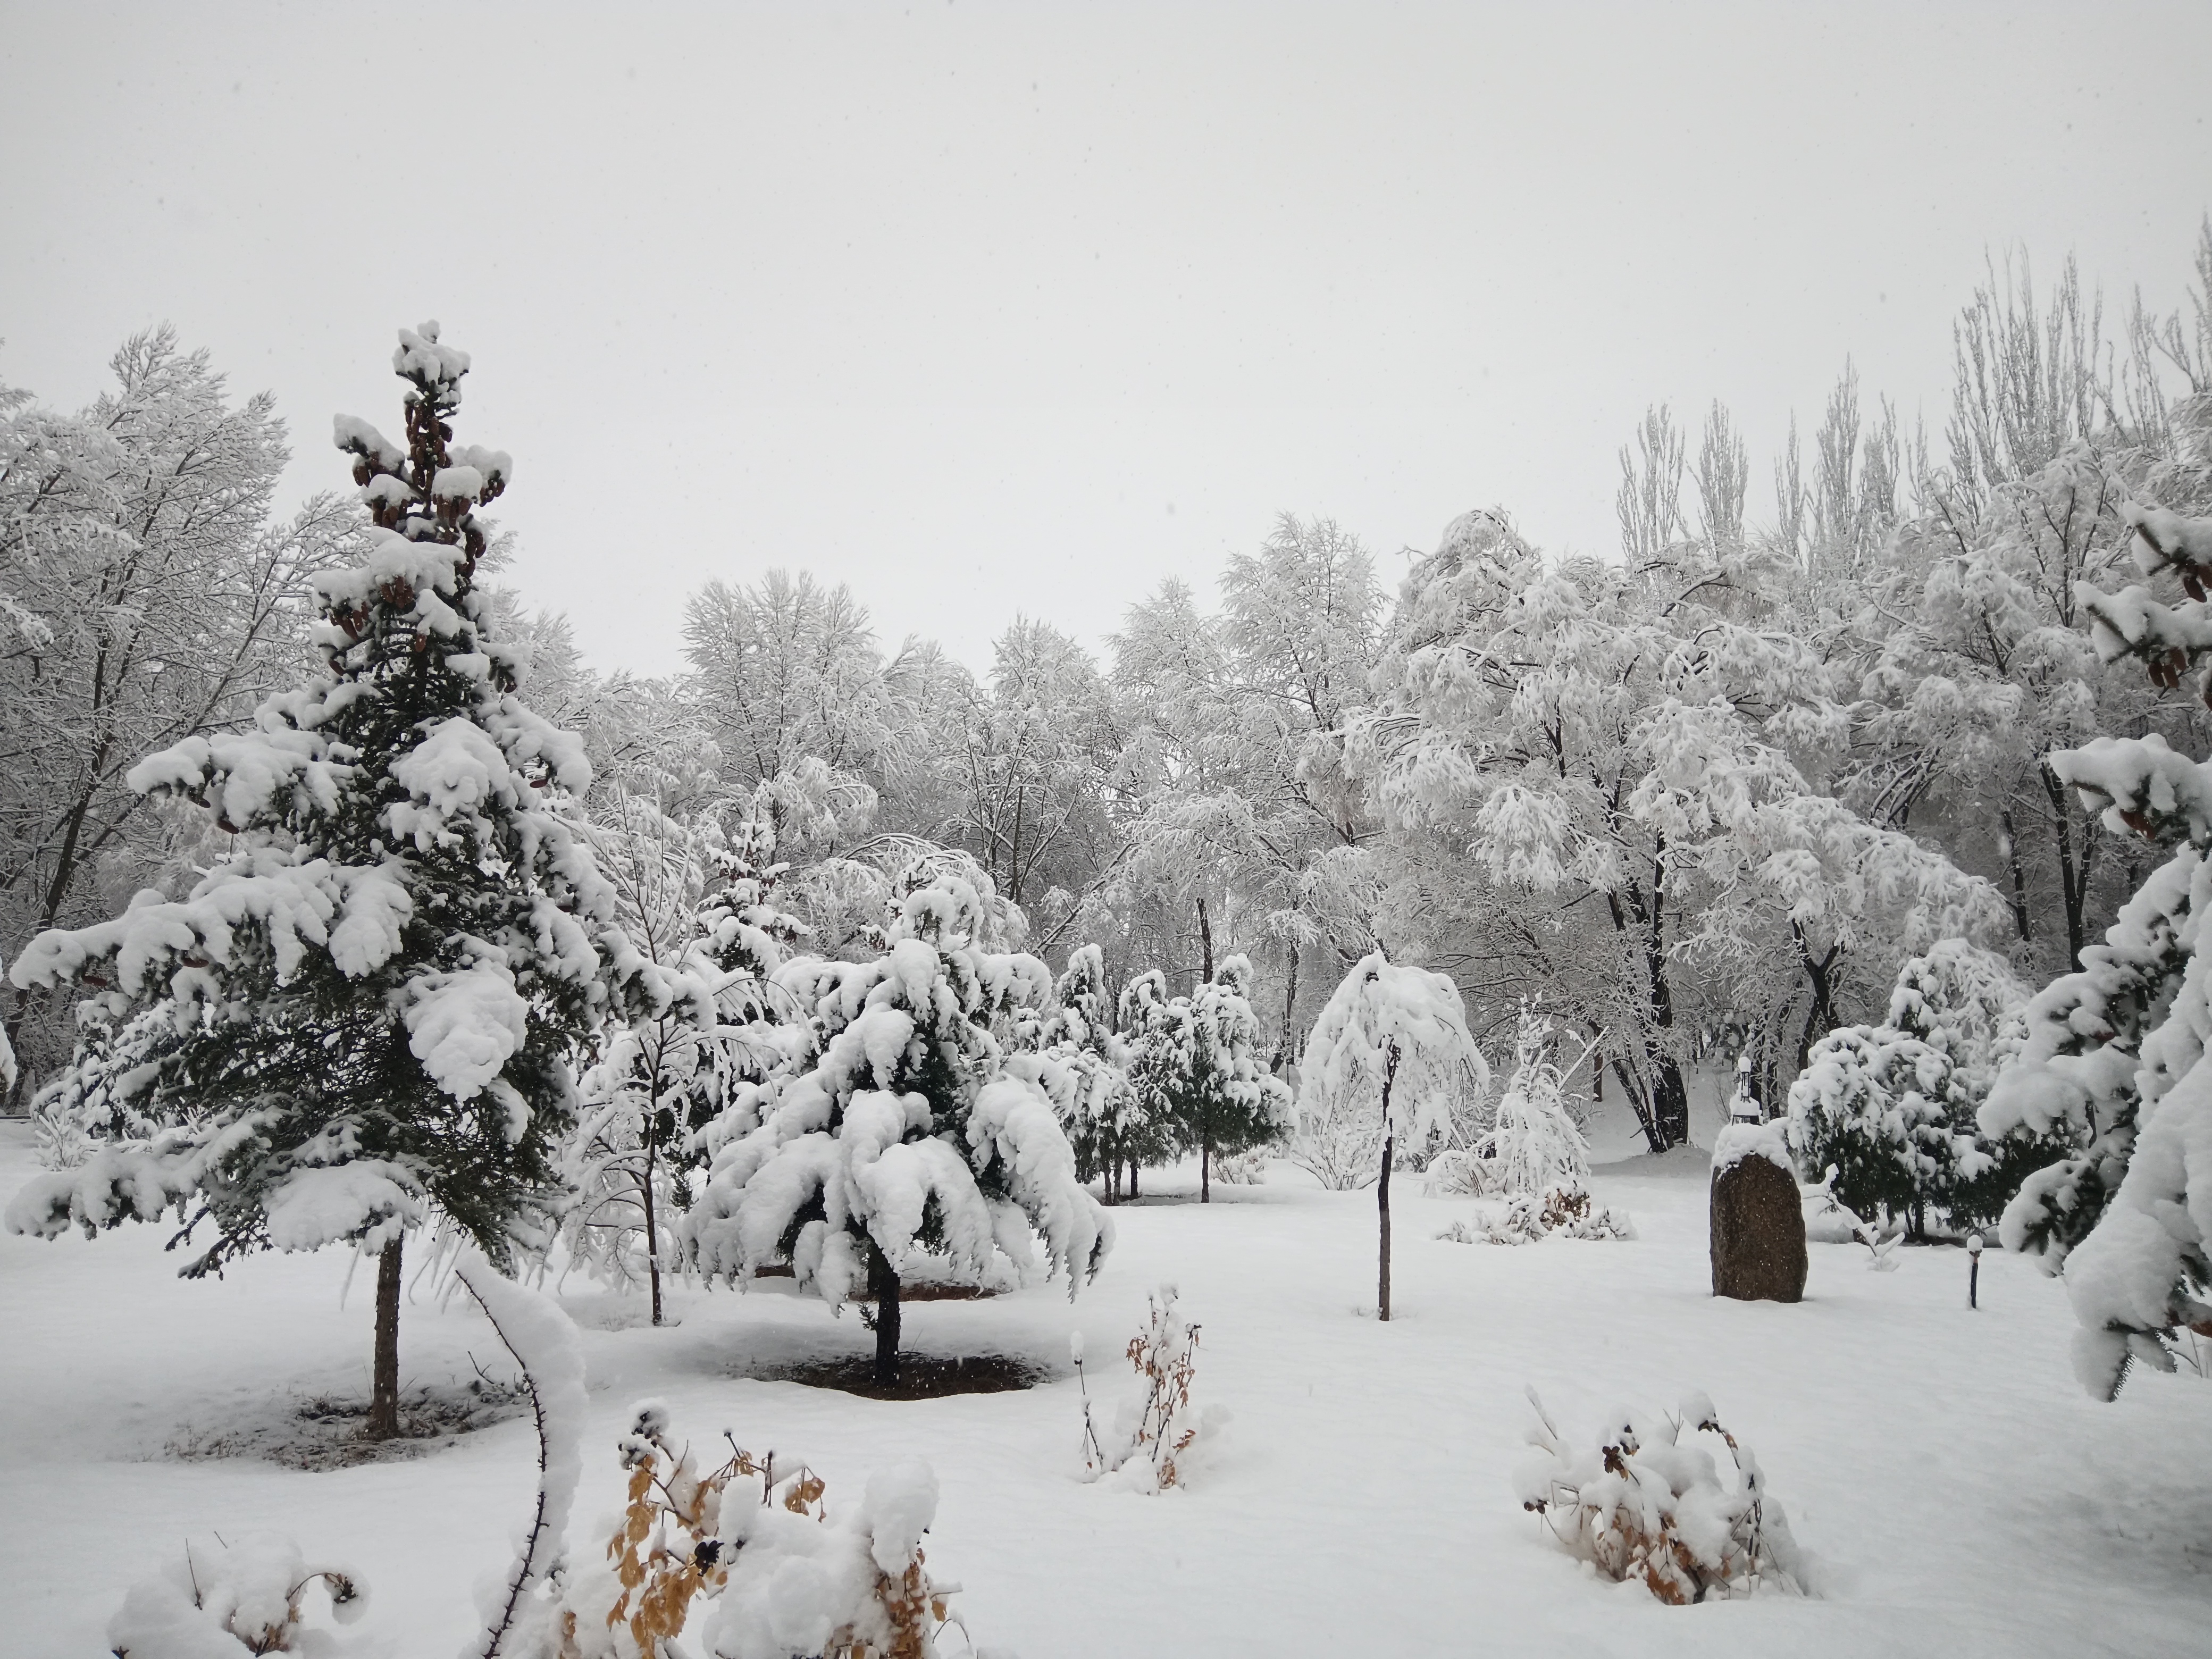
[1758, 1217]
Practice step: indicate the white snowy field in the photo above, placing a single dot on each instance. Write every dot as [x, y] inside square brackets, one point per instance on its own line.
[1963, 1497]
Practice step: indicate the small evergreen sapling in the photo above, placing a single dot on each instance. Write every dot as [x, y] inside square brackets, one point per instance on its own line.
[1199, 1064]
[1892, 1107]
[1397, 1034]
[363, 1014]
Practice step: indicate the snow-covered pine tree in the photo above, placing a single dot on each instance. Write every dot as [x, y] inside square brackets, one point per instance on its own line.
[1399, 1032]
[1071, 1051]
[363, 1014]
[1149, 1018]
[1200, 1065]
[901, 1124]
[1871, 1102]
[2113, 1057]
[1893, 1106]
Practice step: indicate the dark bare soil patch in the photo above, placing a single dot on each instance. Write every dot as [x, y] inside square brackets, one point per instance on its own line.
[921, 1377]
[326, 1431]
[918, 1290]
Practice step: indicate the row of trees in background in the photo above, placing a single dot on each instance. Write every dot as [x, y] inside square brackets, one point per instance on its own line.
[1811, 791]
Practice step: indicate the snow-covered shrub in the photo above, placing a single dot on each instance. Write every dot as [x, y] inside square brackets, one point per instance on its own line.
[752, 1539]
[1530, 1217]
[226, 1599]
[1338, 1139]
[1157, 1432]
[1639, 1501]
[1245, 1169]
[1460, 1173]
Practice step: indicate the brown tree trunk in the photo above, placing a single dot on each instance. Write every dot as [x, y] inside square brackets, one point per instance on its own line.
[384, 1394]
[1205, 1170]
[1205, 942]
[883, 1283]
[1132, 1178]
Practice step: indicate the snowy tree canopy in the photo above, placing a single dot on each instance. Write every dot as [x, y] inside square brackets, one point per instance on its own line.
[1391, 1024]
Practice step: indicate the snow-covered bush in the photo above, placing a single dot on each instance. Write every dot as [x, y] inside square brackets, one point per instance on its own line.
[899, 1125]
[1396, 1035]
[1639, 1501]
[1159, 1433]
[751, 1539]
[220, 1599]
[1530, 1217]
[1246, 1168]
[1338, 1139]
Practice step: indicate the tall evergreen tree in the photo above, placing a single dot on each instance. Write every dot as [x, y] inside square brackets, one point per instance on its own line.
[363, 1016]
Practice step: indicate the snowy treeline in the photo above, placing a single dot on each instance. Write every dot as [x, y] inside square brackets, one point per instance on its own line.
[1833, 787]
[1716, 785]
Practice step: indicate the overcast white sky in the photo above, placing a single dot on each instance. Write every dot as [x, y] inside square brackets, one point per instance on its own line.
[991, 309]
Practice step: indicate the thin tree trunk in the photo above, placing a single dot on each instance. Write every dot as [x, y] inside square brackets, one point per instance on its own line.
[383, 1395]
[1133, 1179]
[883, 1283]
[652, 1228]
[2073, 878]
[1206, 1169]
[1383, 1188]
[2011, 850]
[1290, 1012]
[1383, 1204]
[1205, 942]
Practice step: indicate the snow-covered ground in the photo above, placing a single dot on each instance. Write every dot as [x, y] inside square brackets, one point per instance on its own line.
[1963, 1496]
